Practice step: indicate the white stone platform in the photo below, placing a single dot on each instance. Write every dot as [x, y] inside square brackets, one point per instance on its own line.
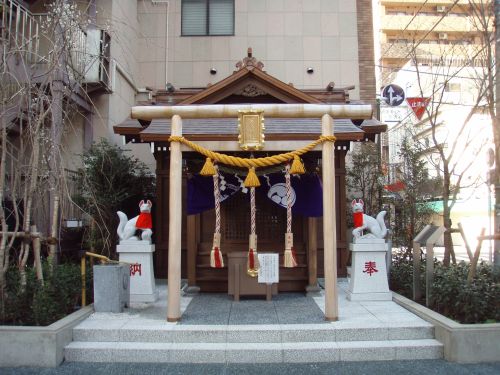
[372, 330]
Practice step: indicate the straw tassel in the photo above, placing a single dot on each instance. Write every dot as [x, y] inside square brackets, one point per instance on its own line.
[252, 180]
[290, 260]
[297, 166]
[208, 168]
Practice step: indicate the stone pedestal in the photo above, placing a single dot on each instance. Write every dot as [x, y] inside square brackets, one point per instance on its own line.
[111, 287]
[368, 271]
[139, 254]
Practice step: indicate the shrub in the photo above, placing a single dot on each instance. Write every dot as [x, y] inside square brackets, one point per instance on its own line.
[401, 275]
[109, 180]
[38, 304]
[476, 302]
[452, 296]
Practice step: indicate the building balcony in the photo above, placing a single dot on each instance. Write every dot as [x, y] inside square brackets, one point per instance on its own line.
[394, 22]
[76, 47]
[31, 44]
[430, 2]
[20, 31]
[427, 49]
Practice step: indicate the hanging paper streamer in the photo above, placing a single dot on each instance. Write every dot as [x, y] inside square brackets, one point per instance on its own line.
[253, 259]
[290, 259]
[216, 260]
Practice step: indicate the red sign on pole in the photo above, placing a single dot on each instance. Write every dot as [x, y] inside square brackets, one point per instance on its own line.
[418, 105]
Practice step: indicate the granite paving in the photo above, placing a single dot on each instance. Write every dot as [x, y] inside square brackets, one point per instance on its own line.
[220, 309]
[215, 309]
[427, 367]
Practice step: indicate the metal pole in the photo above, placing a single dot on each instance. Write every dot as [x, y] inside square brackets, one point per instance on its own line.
[83, 271]
[496, 180]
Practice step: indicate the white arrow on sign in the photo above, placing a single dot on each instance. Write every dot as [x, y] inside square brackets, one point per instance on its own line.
[390, 90]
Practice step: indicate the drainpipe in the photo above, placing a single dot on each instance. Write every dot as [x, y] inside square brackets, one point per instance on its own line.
[167, 11]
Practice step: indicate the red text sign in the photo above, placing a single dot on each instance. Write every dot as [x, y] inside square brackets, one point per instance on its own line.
[418, 105]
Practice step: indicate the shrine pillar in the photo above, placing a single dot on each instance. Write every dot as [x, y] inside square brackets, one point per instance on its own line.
[175, 225]
[329, 221]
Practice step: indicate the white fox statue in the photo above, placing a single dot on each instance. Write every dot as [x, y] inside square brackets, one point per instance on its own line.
[376, 227]
[127, 228]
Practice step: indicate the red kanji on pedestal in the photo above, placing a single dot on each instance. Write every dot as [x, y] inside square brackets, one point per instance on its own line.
[370, 268]
[134, 268]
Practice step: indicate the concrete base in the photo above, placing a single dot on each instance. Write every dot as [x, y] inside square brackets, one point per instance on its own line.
[369, 296]
[139, 254]
[191, 290]
[368, 280]
[463, 343]
[111, 288]
[39, 346]
[366, 331]
[313, 290]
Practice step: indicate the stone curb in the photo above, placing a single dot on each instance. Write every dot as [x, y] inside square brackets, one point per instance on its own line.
[463, 343]
[39, 346]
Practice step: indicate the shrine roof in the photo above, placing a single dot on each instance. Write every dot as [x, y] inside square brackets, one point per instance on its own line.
[249, 84]
[227, 128]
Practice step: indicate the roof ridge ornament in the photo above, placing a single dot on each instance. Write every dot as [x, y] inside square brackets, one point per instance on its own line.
[251, 90]
[250, 62]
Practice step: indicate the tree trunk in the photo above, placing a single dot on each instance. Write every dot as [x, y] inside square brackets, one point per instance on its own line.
[30, 191]
[57, 87]
[448, 243]
[36, 254]
[3, 241]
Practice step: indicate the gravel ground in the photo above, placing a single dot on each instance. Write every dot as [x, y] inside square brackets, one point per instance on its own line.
[422, 367]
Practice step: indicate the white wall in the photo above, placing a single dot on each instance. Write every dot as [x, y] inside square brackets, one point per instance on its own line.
[120, 18]
[288, 36]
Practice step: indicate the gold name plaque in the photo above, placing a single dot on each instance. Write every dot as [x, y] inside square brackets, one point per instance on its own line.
[251, 128]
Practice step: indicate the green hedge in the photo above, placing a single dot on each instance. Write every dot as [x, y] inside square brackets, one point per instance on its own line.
[478, 302]
[475, 303]
[41, 305]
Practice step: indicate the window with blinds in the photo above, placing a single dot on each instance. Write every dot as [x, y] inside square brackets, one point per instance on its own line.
[207, 17]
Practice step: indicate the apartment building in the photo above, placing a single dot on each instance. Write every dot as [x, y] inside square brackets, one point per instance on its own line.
[434, 50]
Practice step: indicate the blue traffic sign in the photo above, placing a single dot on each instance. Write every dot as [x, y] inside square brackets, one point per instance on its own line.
[393, 95]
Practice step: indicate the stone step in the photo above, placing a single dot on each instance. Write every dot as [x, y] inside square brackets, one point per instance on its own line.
[162, 332]
[229, 352]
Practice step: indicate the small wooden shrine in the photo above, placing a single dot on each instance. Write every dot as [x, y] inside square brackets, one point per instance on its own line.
[249, 86]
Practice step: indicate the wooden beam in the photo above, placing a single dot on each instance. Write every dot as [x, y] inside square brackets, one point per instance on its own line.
[192, 244]
[175, 225]
[271, 139]
[329, 223]
[352, 111]
[312, 251]
[495, 236]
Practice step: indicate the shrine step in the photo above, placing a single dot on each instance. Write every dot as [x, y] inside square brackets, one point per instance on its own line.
[167, 333]
[253, 352]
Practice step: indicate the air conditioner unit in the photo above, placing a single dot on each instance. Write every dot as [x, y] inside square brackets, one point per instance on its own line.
[98, 57]
[443, 36]
[441, 8]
